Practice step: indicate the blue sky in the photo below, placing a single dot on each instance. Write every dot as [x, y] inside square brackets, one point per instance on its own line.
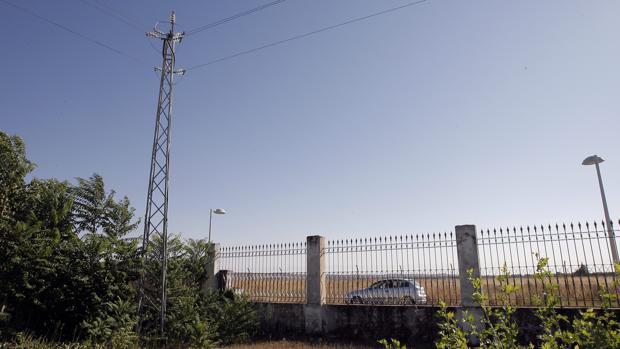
[444, 113]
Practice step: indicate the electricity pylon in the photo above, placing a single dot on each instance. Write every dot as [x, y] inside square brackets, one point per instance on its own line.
[156, 215]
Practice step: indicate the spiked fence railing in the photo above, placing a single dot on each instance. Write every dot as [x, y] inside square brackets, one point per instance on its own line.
[579, 261]
[428, 259]
[579, 267]
[267, 273]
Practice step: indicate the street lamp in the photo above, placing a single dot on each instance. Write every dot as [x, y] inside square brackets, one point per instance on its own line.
[595, 160]
[211, 212]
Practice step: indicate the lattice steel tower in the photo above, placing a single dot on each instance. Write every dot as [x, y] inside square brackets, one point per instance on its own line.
[156, 215]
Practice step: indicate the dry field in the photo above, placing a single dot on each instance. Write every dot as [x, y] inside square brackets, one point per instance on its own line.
[575, 291]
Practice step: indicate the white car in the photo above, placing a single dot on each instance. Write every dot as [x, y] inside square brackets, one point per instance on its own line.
[389, 291]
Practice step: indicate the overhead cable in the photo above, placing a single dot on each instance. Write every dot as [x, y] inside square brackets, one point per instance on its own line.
[233, 17]
[105, 9]
[76, 33]
[301, 36]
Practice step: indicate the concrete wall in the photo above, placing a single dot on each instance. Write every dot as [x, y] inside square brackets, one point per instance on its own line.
[364, 323]
[349, 322]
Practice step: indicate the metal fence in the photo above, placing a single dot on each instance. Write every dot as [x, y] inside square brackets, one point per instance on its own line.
[579, 262]
[423, 269]
[404, 270]
[266, 273]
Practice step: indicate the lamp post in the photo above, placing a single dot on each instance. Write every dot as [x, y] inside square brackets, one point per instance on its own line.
[211, 212]
[595, 160]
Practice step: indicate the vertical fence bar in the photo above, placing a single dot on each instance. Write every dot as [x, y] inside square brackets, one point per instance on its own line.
[266, 273]
[578, 256]
[392, 270]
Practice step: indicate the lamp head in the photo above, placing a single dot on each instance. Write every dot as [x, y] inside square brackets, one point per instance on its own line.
[592, 160]
[219, 211]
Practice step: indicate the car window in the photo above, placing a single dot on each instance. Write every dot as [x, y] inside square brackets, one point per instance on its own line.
[378, 284]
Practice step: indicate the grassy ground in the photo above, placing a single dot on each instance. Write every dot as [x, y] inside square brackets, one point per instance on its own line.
[297, 345]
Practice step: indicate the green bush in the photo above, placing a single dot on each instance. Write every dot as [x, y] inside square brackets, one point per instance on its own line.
[234, 317]
[114, 327]
[591, 328]
[69, 274]
[392, 344]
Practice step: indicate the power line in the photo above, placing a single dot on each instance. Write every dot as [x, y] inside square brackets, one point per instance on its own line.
[114, 14]
[121, 14]
[301, 36]
[111, 12]
[76, 33]
[233, 17]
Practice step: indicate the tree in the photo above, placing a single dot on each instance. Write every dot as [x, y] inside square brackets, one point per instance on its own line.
[198, 253]
[57, 282]
[118, 218]
[14, 169]
[91, 204]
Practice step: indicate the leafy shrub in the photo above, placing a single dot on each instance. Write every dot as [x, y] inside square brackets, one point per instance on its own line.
[114, 327]
[392, 344]
[234, 316]
[589, 329]
[69, 273]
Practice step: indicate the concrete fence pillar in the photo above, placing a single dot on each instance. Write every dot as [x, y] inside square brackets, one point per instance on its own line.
[467, 251]
[213, 267]
[315, 283]
[469, 264]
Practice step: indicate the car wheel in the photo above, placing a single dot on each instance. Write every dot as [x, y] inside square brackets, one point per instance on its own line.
[356, 300]
[408, 300]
